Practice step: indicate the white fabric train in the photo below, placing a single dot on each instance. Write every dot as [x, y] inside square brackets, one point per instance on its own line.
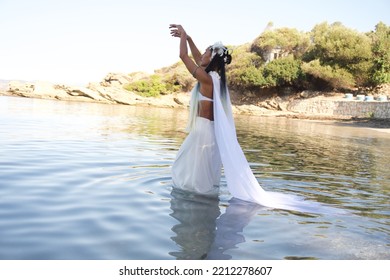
[241, 182]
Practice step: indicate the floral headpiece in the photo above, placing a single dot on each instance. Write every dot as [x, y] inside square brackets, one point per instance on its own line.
[220, 49]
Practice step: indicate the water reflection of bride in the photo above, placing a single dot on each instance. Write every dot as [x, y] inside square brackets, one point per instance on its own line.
[202, 232]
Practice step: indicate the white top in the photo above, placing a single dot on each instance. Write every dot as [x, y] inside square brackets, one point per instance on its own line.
[204, 98]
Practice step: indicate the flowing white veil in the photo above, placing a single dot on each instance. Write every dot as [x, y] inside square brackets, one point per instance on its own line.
[241, 181]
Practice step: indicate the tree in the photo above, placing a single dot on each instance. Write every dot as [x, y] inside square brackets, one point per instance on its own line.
[381, 54]
[342, 48]
[287, 40]
[330, 57]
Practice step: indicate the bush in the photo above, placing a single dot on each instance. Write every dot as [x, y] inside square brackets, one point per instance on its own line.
[333, 78]
[245, 71]
[283, 72]
[177, 76]
[248, 78]
[152, 86]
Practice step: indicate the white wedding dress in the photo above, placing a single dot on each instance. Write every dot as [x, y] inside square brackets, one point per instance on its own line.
[198, 164]
[197, 167]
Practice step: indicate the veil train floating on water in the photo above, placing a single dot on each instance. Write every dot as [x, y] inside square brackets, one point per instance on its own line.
[241, 182]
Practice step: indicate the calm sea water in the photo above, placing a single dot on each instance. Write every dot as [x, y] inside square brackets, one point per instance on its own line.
[92, 181]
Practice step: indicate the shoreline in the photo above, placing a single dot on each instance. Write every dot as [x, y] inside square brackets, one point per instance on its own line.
[180, 101]
[314, 105]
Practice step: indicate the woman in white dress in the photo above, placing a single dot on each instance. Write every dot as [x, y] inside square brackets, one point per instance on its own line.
[212, 140]
[198, 164]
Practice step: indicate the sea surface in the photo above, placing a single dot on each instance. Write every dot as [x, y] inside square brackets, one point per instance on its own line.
[92, 181]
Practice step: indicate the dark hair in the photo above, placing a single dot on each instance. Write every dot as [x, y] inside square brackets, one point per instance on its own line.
[218, 64]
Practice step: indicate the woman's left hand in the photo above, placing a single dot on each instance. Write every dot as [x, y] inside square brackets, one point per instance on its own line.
[177, 30]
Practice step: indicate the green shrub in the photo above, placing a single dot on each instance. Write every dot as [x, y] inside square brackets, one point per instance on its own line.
[282, 72]
[177, 77]
[334, 78]
[152, 86]
[245, 71]
[248, 77]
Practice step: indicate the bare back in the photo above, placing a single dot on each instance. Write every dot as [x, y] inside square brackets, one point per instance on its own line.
[206, 110]
[206, 106]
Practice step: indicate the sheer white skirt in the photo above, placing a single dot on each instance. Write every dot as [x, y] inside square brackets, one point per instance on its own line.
[197, 167]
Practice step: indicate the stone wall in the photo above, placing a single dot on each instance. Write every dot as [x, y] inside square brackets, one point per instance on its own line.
[346, 108]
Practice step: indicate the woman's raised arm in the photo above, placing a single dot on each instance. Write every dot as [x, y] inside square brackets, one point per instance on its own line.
[194, 50]
[197, 71]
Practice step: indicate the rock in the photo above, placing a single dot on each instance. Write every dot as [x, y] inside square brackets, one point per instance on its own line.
[110, 91]
[48, 90]
[383, 89]
[114, 94]
[36, 90]
[120, 79]
[305, 94]
[177, 101]
[20, 89]
[84, 92]
[271, 105]
[53, 91]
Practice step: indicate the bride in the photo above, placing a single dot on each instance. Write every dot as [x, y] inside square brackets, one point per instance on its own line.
[212, 140]
[198, 163]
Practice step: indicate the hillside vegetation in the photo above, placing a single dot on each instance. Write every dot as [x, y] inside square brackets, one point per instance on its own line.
[331, 57]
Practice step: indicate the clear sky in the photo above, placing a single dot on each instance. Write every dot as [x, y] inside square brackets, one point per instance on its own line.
[80, 41]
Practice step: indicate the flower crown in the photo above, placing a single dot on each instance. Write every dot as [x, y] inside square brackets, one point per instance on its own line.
[220, 49]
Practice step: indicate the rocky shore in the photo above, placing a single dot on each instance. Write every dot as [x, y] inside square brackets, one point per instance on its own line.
[304, 105]
[109, 91]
